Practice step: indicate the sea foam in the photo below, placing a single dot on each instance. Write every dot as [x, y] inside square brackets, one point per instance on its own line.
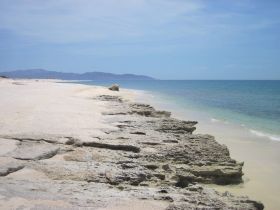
[262, 134]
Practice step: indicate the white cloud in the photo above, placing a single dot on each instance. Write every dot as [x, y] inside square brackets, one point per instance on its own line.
[90, 20]
[121, 21]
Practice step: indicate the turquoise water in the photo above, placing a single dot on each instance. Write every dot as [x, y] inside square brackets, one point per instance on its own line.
[253, 104]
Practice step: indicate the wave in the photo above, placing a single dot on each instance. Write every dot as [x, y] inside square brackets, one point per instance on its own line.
[215, 120]
[261, 134]
[254, 132]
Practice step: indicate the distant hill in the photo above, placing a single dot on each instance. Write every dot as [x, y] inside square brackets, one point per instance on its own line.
[45, 74]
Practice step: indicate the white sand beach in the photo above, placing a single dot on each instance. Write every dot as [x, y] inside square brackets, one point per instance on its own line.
[49, 107]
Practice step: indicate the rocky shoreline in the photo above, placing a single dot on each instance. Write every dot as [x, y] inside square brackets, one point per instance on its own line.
[147, 156]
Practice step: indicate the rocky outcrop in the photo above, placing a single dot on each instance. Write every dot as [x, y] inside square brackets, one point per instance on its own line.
[109, 98]
[176, 126]
[114, 87]
[147, 111]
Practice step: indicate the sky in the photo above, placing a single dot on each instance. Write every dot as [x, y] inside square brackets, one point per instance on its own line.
[166, 39]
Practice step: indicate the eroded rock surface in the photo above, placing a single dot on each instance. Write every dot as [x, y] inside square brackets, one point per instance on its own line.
[149, 156]
[9, 165]
[34, 151]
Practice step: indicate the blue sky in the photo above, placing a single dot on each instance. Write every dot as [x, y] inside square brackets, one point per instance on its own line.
[166, 39]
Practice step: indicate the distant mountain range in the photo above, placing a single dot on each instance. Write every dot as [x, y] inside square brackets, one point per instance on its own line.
[45, 74]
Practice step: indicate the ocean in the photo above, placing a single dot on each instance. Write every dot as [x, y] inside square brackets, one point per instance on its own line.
[254, 105]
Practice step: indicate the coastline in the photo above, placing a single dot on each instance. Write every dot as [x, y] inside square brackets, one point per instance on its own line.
[199, 97]
[260, 153]
[96, 147]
